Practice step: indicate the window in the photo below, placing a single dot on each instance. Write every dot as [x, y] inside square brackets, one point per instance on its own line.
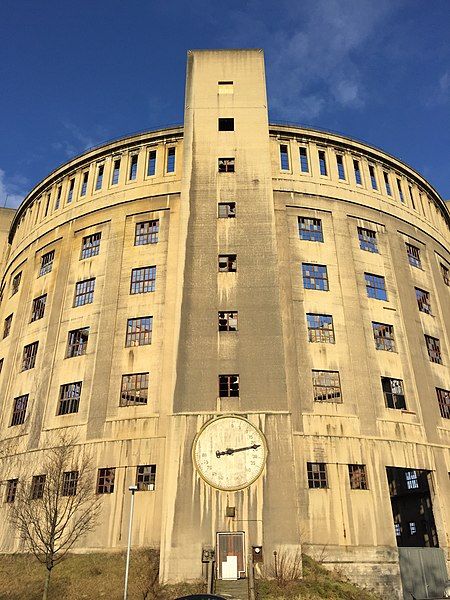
[394, 395]
[37, 487]
[133, 167]
[58, 197]
[320, 328]
[412, 528]
[84, 292]
[340, 166]
[16, 283]
[400, 191]
[413, 256]
[146, 233]
[315, 277]
[358, 479]
[226, 210]
[171, 160]
[1, 364]
[423, 301]
[304, 165]
[90, 245]
[398, 529]
[367, 240]
[84, 183]
[77, 342]
[99, 181]
[226, 124]
[228, 386]
[11, 489]
[411, 480]
[143, 280]
[411, 197]
[326, 386]
[357, 170]
[434, 349]
[116, 172]
[373, 179]
[445, 274]
[146, 478]
[69, 398]
[226, 165]
[29, 356]
[151, 164]
[375, 286]
[105, 480]
[227, 263]
[19, 410]
[70, 483]
[384, 336]
[310, 229]
[225, 87]
[38, 307]
[387, 184]
[47, 263]
[70, 192]
[228, 320]
[134, 389]
[7, 327]
[317, 475]
[444, 402]
[322, 162]
[139, 332]
[47, 205]
[284, 157]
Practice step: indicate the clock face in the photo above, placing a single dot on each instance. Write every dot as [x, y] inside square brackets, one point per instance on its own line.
[229, 453]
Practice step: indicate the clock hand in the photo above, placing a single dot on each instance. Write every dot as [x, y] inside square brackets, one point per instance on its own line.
[230, 451]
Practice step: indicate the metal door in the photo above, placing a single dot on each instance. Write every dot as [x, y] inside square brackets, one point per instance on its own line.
[423, 572]
[230, 555]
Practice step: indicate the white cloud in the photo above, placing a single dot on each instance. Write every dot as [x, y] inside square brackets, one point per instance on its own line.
[11, 194]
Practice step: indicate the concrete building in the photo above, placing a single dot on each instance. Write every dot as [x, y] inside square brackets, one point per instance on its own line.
[248, 320]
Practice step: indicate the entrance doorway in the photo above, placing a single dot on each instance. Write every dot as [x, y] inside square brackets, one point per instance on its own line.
[230, 555]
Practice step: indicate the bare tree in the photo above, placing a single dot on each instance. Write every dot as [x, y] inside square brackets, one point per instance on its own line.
[51, 511]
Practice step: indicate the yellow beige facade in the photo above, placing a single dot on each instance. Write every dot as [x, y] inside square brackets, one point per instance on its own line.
[293, 277]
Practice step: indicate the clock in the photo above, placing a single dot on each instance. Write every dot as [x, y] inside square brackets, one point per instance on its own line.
[229, 453]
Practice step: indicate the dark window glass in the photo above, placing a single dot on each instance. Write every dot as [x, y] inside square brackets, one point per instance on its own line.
[373, 178]
[1, 364]
[384, 336]
[116, 172]
[358, 478]
[19, 410]
[143, 280]
[151, 165]
[226, 210]
[146, 478]
[146, 233]
[434, 349]
[133, 167]
[412, 482]
[84, 292]
[284, 157]
[227, 263]
[320, 328]
[84, 184]
[77, 342]
[317, 475]
[139, 332]
[445, 274]
[387, 184]
[29, 356]
[310, 229]
[134, 389]
[69, 398]
[11, 489]
[375, 286]
[423, 301]
[16, 283]
[7, 327]
[99, 181]
[444, 402]
[228, 386]
[58, 197]
[393, 393]
[70, 191]
[226, 124]
[413, 255]
[70, 483]
[37, 487]
[105, 480]
[357, 170]
[400, 191]
[322, 163]
[315, 277]
[228, 320]
[326, 386]
[367, 239]
[38, 308]
[171, 160]
[47, 263]
[304, 165]
[47, 205]
[411, 197]
[226, 165]
[90, 245]
[340, 166]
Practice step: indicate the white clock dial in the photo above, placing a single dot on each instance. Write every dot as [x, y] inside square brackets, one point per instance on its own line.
[229, 453]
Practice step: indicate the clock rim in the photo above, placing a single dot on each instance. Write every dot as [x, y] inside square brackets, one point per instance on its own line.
[199, 471]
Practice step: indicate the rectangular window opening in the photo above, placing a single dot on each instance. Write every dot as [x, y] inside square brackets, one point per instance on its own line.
[47, 263]
[227, 263]
[229, 386]
[105, 480]
[116, 172]
[228, 320]
[375, 286]
[320, 328]
[151, 165]
[29, 356]
[69, 398]
[357, 170]
[84, 292]
[384, 336]
[340, 166]
[393, 392]
[226, 124]
[146, 233]
[226, 165]
[323, 163]
[367, 240]
[317, 475]
[143, 280]
[315, 277]
[139, 332]
[284, 157]
[226, 210]
[134, 389]
[38, 307]
[133, 167]
[90, 245]
[326, 386]
[310, 229]
[19, 410]
[434, 349]
[170, 167]
[373, 178]
[358, 477]
[146, 478]
[77, 342]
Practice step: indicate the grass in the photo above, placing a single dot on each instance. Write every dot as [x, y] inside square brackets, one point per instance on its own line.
[97, 576]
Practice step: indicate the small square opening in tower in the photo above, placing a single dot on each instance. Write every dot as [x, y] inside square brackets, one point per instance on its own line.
[225, 87]
[226, 124]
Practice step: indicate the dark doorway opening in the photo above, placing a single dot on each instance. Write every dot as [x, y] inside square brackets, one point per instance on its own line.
[412, 509]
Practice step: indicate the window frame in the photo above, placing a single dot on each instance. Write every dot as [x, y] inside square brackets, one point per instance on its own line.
[357, 477]
[143, 280]
[77, 346]
[324, 332]
[89, 245]
[443, 398]
[226, 164]
[226, 384]
[368, 240]
[229, 263]
[170, 160]
[146, 478]
[29, 356]
[47, 261]
[315, 268]
[135, 334]
[105, 480]
[132, 387]
[317, 475]
[383, 334]
[69, 483]
[391, 397]
[228, 317]
[19, 412]
[38, 309]
[84, 292]
[317, 384]
[434, 349]
[375, 295]
[69, 398]
[229, 213]
[312, 230]
[146, 232]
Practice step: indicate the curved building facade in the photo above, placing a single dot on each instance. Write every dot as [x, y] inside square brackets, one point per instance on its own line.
[293, 283]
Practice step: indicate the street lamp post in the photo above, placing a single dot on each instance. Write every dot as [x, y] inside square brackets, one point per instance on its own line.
[133, 489]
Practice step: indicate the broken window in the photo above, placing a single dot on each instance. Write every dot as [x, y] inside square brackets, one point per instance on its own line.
[384, 336]
[7, 326]
[304, 165]
[284, 157]
[228, 320]
[134, 389]
[310, 229]
[423, 301]
[228, 386]
[11, 489]
[358, 478]
[70, 483]
[146, 233]
[84, 292]
[367, 239]
[226, 124]
[444, 402]
[77, 342]
[226, 210]
[445, 274]
[434, 349]
[90, 245]
[105, 480]
[227, 263]
[139, 331]
[326, 386]
[226, 165]
[19, 410]
[317, 475]
[146, 478]
[393, 392]
[37, 487]
[16, 283]
[29, 356]
[38, 307]
[413, 255]
[375, 286]
[133, 167]
[320, 328]
[170, 165]
[143, 280]
[69, 398]
[47, 263]
[315, 277]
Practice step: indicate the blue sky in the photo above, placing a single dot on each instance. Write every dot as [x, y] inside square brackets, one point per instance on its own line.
[74, 74]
